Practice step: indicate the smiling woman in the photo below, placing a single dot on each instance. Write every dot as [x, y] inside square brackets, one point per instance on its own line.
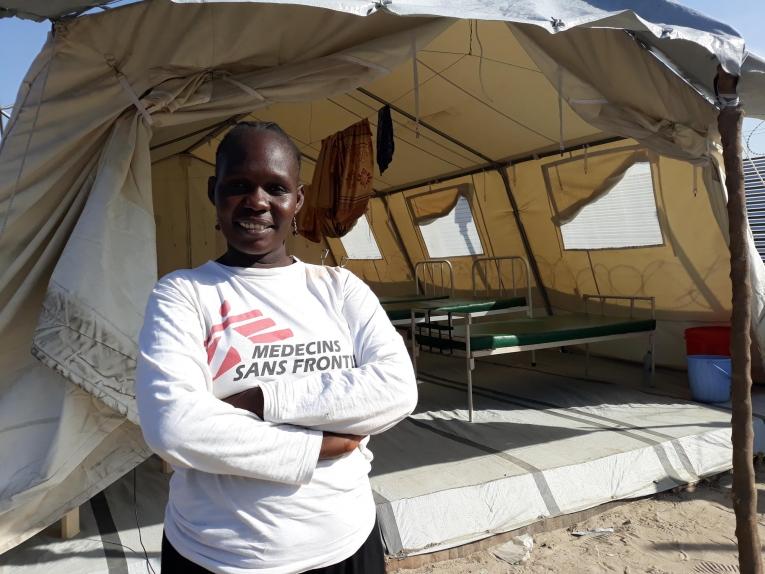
[260, 379]
[256, 193]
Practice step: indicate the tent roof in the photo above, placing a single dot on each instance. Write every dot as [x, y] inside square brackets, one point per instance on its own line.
[494, 84]
[475, 73]
[663, 19]
[692, 42]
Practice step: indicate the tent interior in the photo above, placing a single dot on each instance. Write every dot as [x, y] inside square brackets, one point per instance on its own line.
[590, 150]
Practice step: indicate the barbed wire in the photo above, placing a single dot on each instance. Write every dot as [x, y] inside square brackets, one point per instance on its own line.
[758, 129]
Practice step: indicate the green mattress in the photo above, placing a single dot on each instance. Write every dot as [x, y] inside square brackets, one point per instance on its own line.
[522, 332]
[410, 298]
[400, 311]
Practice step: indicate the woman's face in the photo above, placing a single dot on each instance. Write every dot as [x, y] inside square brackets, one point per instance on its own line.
[256, 193]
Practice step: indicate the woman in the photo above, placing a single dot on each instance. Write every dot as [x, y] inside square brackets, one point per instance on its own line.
[260, 378]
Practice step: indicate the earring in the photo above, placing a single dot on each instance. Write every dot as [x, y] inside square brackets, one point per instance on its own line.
[217, 226]
[294, 226]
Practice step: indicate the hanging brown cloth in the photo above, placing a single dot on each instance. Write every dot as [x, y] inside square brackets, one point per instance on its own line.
[341, 185]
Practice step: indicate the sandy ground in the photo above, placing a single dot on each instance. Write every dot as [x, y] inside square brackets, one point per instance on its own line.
[690, 531]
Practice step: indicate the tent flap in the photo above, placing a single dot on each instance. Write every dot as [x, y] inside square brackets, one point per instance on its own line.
[575, 183]
[75, 192]
[95, 302]
[434, 205]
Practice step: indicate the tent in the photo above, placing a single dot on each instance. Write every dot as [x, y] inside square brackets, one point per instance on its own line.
[527, 107]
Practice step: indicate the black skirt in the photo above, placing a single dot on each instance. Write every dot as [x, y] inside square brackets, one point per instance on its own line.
[369, 559]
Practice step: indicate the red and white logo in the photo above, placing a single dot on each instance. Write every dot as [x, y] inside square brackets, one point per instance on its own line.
[250, 325]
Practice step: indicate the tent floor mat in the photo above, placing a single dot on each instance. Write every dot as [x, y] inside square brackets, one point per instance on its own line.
[545, 443]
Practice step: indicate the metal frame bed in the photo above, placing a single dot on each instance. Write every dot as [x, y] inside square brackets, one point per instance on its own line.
[441, 315]
[435, 309]
[474, 341]
[438, 289]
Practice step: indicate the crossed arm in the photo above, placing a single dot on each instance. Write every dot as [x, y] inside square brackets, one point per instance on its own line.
[276, 431]
[333, 445]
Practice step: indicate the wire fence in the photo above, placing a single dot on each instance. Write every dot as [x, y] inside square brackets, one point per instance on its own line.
[754, 184]
[754, 140]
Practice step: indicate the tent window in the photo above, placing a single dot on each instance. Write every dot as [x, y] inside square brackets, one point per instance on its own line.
[754, 183]
[454, 234]
[359, 242]
[626, 216]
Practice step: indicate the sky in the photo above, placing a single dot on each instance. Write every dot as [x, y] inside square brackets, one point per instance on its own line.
[21, 40]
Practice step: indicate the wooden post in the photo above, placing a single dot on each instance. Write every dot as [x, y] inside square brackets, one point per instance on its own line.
[744, 492]
[70, 524]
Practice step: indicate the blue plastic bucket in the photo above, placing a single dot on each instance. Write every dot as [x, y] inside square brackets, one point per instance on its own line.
[709, 376]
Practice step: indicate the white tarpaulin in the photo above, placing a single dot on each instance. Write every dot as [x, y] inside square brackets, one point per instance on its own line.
[87, 204]
[664, 21]
[113, 92]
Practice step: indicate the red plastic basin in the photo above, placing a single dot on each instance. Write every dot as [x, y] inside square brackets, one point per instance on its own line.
[708, 340]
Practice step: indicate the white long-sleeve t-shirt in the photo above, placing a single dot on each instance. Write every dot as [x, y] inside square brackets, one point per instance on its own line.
[250, 495]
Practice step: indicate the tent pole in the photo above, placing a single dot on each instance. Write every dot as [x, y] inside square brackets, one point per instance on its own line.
[489, 166]
[744, 491]
[397, 234]
[525, 238]
[215, 131]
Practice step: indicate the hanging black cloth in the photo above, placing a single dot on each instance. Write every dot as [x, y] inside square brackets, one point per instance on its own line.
[385, 143]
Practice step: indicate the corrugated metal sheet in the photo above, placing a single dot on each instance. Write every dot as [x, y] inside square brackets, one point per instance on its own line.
[754, 183]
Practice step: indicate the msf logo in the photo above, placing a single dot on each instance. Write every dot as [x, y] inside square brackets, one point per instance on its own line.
[250, 325]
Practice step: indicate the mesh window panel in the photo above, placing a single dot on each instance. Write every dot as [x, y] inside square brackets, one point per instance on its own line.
[359, 242]
[453, 235]
[625, 217]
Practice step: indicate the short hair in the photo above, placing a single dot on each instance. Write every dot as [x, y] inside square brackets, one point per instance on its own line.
[232, 139]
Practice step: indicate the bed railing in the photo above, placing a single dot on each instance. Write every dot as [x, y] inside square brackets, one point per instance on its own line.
[505, 284]
[603, 298]
[434, 273]
[649, 360]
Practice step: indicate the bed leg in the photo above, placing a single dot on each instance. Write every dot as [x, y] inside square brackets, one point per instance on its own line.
[533, 358]
[470, 366]
[652, 351]
[414, 344]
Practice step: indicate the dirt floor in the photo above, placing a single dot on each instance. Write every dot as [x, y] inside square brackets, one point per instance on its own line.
[689, 531]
